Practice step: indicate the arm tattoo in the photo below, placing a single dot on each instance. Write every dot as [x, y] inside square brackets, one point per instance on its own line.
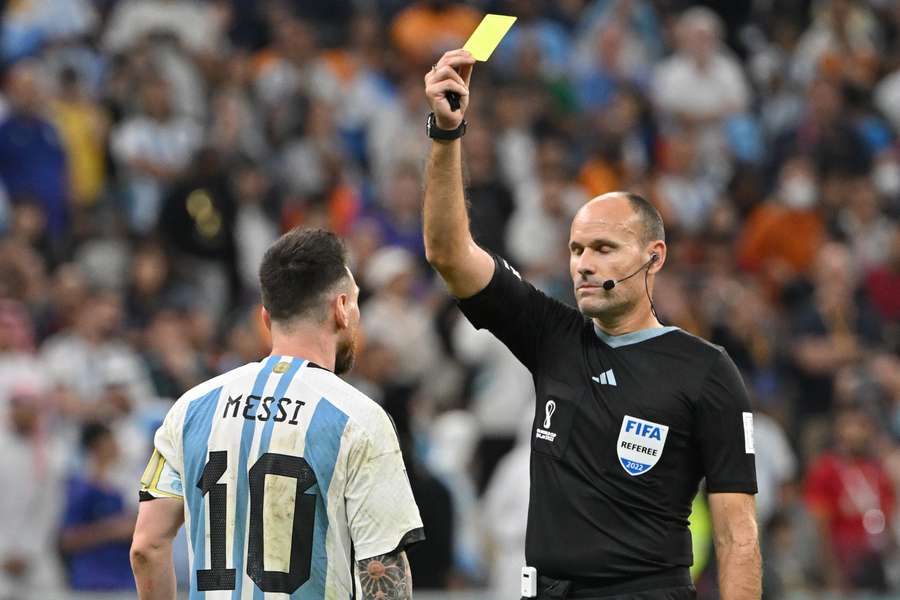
[385, 577]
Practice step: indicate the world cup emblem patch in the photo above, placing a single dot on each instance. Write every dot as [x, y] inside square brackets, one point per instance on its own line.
[640, 444]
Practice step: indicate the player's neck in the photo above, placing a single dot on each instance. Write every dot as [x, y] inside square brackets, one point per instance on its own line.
[629, 323]
[306, 342]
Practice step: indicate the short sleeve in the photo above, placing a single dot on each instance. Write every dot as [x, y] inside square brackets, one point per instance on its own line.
[516, 312]
[724, 430]
[163, 476]
[381, 510]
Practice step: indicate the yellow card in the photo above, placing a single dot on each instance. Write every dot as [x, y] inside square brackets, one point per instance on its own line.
[487, 35]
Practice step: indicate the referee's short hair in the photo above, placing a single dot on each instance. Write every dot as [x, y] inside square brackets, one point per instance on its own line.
[649, 216]
[299, 270]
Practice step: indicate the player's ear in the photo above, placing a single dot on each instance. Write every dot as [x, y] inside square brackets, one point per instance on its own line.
[342, 310]
[266, 318]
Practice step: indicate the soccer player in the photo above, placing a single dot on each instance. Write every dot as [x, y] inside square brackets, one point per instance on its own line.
[289, 481]
[630, 415]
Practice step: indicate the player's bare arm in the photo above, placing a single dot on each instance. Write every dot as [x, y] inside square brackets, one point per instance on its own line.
[385, 577]
[449, 246]
[151, 549]
[737, 545]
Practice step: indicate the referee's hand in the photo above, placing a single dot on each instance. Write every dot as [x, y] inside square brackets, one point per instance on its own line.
[450, 74]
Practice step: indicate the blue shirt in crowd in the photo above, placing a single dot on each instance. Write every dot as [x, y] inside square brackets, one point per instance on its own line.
[104, 567]
[33, 167]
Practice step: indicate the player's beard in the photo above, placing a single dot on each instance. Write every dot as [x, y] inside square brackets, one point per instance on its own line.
[345, 356]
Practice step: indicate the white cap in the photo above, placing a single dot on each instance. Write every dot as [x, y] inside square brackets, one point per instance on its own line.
[387, 264]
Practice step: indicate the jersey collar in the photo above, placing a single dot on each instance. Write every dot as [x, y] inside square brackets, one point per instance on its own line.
[635, 337]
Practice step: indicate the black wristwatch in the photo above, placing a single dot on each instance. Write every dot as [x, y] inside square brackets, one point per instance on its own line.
[437, 133]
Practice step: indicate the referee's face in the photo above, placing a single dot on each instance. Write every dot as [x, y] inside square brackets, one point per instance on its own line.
[605, 243]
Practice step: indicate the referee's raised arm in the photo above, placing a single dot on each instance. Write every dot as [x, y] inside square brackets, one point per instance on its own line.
[449, 246]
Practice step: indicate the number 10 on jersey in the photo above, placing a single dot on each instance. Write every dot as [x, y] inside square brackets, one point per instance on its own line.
[218, 576]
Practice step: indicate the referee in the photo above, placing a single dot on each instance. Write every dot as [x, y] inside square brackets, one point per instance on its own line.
[630, 415]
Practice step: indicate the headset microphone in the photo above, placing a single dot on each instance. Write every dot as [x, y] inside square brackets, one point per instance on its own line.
[610, 284]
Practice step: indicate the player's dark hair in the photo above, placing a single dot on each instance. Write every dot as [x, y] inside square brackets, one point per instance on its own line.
[298, 270]
[649, 216]
[91, 432]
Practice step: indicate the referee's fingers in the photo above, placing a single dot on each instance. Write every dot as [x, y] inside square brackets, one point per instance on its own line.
[444, 73]
[454, 53]
[438, 90]
[456, 59]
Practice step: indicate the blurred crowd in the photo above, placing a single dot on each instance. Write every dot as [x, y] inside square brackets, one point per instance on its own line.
[150, 151]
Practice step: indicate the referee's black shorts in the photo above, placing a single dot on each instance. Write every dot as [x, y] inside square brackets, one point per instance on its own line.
[671, 584]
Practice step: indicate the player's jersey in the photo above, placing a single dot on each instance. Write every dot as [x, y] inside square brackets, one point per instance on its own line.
[289, 475]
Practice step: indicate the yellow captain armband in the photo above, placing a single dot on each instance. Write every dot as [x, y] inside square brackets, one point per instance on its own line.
[160, 480]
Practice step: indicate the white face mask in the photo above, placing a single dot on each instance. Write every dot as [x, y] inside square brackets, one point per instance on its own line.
[887, 178]
[798, 192]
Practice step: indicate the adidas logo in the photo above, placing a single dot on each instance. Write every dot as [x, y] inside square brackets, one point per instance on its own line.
[606, 378]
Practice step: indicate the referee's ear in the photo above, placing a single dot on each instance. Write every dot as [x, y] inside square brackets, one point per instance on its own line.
[657, 249]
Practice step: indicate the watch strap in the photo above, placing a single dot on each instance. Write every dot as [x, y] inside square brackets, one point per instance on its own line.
[435, 132]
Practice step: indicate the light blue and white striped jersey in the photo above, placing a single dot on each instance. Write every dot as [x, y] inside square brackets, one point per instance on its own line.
[289, 475]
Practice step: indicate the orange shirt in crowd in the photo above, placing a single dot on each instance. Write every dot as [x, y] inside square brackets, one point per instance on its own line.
[782, 236]
[598, 176]
[422, 33]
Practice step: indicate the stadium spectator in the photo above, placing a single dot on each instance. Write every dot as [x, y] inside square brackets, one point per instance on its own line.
[82, 125]
[153, 148]
[424, 30]
[81, 359]
[493, 203]
[500, 380]
[702, 84]
[841, 43]
[195, 25]
[97, 524]
[505, 508]
[850, 494]
[883, 282]
[686, 191]
[830, 330]
[32, 157]
[782, 235]
[394, 318]
[536, 33]
[29, 510]
[617, 61]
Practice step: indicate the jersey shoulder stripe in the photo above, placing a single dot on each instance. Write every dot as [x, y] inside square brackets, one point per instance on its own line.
[242, 492]
[195, 435]
[362, 411]
[323, 444]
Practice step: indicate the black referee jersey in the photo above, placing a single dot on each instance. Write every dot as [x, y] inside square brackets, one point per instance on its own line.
[625, 429]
